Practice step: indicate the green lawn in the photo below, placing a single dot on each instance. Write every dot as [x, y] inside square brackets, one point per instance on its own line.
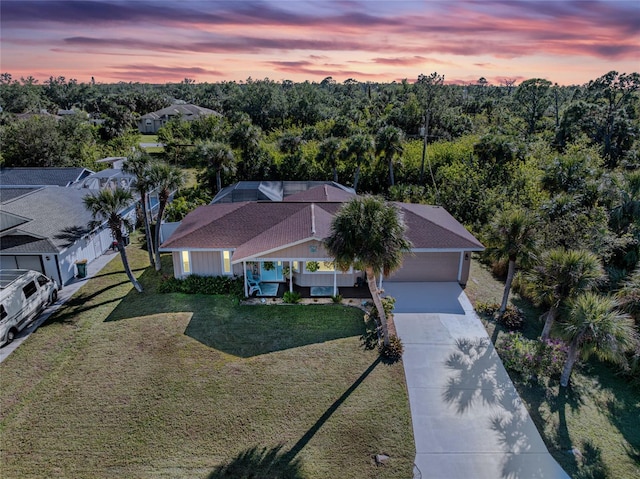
[120, 384]
[599, 413]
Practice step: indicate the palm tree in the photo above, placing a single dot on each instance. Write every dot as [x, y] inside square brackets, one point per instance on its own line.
[138, 164]
[360, 147]
[389, 143]
[166, 179]
[218, 156]
[560, 276]
[629, 294]
[595, 326]
[511, 236]
[369, 234]
[329, 154]
[106, 206]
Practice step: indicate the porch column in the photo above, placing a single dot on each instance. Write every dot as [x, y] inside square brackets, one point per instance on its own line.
[461, 262]
[290, 276]
[244, 278]
[335, 281]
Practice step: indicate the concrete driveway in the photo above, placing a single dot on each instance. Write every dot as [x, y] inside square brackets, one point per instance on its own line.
[468, 420]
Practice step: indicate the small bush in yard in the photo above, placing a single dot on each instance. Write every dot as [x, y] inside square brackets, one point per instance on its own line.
[487, 309]
[394, 351]
[531, 358]
[291, 297]
[512, 318]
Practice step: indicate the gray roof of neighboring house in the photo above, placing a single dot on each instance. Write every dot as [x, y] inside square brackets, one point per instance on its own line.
[278, 191]
[58, 217]
[42, 176]
[8, 194]
[180, 110]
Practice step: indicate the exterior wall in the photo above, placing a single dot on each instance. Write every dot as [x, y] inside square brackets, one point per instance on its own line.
[428, 267]
[300, 252]
[466, 266]
[203, 263]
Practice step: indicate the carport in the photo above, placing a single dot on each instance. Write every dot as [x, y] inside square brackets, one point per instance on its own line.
[468, 420]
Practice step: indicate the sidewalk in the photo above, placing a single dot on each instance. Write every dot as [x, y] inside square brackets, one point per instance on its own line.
[63, 296]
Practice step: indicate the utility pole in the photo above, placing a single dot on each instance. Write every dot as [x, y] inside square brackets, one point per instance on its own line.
[424, 145]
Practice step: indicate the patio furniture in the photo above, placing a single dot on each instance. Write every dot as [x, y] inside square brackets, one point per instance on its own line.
[253, 282]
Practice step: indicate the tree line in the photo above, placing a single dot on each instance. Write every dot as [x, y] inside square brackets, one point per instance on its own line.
[535, 170]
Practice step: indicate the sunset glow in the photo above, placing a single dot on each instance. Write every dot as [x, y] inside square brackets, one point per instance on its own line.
[568, 42]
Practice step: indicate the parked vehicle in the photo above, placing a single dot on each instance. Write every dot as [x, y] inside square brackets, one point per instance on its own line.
[23, 295]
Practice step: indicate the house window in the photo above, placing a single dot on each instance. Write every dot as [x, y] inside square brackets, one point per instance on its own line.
[319, 267]
[226, 262]
[186, 262]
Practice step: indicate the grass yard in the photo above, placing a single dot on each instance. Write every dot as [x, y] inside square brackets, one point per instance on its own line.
[599, 413]
[120, 384]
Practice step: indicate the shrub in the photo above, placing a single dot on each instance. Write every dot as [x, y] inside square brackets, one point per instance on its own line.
[392, 352]
[486, 309]
[195, 284]
[337, 298]
[512, 319]
[531, 358]
[388, 304]
[291, 297]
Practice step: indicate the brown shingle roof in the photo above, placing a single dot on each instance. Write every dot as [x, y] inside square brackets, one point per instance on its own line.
[433, 227]
[255, 228]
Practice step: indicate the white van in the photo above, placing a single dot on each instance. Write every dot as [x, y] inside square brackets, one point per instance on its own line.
[23, 295]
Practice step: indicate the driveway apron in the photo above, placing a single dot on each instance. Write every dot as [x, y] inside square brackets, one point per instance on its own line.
[468, 420]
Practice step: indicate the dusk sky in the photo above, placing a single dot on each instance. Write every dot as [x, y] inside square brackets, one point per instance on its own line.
[568, 42]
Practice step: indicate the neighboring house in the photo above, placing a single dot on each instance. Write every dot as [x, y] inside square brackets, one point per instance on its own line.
[35, 177]
[269, 190]
[43, 220]
[46, 229]
[152, 122]
[268, 237]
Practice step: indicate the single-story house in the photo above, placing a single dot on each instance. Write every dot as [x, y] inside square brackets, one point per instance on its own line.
[43, 220]
[46, 229]
[152, 122]
[283, 242]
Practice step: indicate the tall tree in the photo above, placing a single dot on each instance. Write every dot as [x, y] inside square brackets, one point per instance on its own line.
[359, 147]
[595, 325]
[533, 98]
[217, 157]
[559, 277]
[139, 164]
[511, 236]
[107, 206]
[390, 144]
[167, 179]
[329, 154]
[369, 234]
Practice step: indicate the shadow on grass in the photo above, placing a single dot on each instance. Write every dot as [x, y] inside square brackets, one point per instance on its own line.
[259, 463]
[242, 330]
[264, 463]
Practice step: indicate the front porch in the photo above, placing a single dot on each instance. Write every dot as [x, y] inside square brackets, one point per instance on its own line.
[360, 292]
